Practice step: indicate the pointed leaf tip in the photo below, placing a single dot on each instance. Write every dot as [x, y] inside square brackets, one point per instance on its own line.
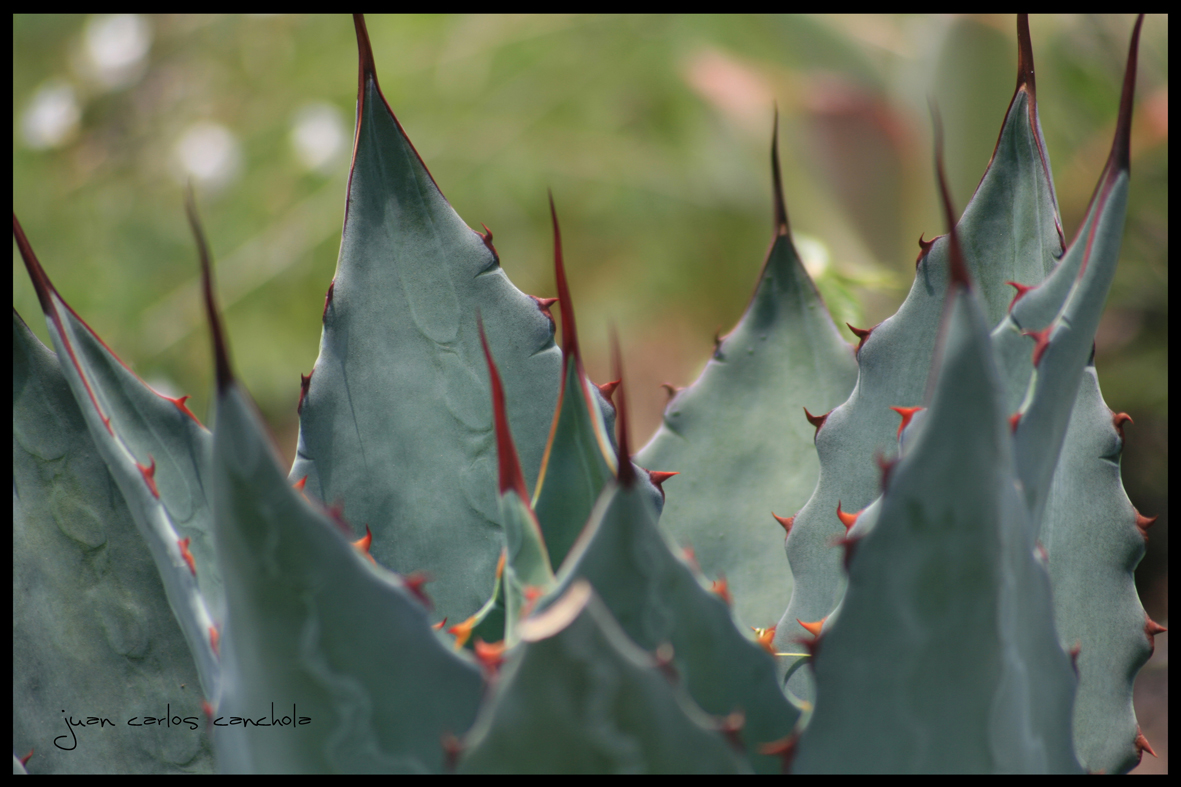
[506, 451]
[958, 271]
[627, 473]
[1025, 57]
[221, 353]
[1120, 157]
[781, 226]
[366, 67]
[569, 332]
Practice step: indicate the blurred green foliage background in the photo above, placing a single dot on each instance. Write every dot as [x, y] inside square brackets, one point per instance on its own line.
[652, 131]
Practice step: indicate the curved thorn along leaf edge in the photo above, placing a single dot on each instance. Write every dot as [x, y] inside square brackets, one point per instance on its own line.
[957, 593]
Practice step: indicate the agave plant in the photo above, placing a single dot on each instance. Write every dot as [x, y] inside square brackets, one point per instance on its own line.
[958, 588]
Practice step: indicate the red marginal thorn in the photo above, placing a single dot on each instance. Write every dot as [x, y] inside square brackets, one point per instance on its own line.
[490, 656]
[658, 477]
[328, 300]
[690, 557]
[847, 519]
[487, 238]
[1151, 629]
[718, 343]
[180, 405]
[1021, 290]
[544, 305]
[439, 626]
[608, 390]
[25, 760]
[1118, 420]
[814, 627]
[1074, 651]
[462, 631]
[362, 544]
[786, 522]
[1142, 745]
[305, 382]
[784, 749]
[509, 464]
[1041, 341]
[1143, 523]
[816, 420]
[215, 641]
[414, 582]
[452, 748]
[862, 334]
[1014, 419]
[924, 248]
[149, 474]
[500, 563]
[673, 390]
[1042, 554]
[300, 484]
[731, 727]
[721, 588]
[907, 413]
[765, 637]
[208, 709]
[187, 555]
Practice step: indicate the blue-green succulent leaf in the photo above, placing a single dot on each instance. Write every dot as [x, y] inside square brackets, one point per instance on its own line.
[577, 696]
[92, 631]
[395, 423]
[737, 436]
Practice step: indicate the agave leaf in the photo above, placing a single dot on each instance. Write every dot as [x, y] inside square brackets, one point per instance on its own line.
[580, 455]
[157, 453]
[92, 631]
[314, 626]
[943, 656]
[578, 697]
[736, 436]
[658, 600]
[395, 422]
[1067, 458]
[527, 572]
[1009, 231]
[1091, 536]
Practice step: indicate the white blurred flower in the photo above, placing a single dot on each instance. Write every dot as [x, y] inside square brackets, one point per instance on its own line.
[117, 48]
[51, 117]
[208, 153]
[318, 136]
